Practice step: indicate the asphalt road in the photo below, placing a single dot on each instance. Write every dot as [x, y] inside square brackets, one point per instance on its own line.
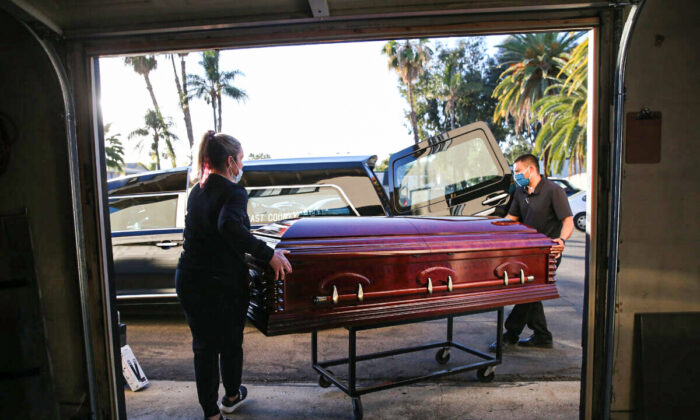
[161, 342]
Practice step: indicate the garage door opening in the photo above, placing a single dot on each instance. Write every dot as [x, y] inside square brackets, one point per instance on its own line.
[349, 104]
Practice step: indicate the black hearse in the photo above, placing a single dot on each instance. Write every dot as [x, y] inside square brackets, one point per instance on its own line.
[459, 173]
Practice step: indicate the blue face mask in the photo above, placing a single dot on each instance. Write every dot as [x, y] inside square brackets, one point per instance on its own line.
[521, 180]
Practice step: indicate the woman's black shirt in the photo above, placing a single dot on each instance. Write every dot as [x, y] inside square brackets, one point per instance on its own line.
[217, 230]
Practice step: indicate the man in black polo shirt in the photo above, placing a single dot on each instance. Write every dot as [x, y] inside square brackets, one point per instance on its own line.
[540, 204]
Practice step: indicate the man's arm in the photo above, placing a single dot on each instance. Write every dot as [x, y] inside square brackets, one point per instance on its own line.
[566, 229]
[562, 211]
[514, 210]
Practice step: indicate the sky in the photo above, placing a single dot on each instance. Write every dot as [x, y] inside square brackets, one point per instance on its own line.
[308, 100]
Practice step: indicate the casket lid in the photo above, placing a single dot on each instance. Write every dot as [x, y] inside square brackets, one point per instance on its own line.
[337, 227]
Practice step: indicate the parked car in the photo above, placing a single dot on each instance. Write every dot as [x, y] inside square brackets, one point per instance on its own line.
[566, 185]
[577, 202]
[459, 173]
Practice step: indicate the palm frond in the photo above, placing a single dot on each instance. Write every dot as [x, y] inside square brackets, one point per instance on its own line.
[565, 113]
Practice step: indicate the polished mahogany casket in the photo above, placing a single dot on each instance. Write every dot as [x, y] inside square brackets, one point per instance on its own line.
[357, 271]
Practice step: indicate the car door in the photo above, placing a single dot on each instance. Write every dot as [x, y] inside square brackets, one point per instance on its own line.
[147, 222]
[458, 173]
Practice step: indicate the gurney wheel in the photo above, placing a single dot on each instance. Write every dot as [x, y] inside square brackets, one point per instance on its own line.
[323, 382]
[481, 374]
[443, 355]
[357, 408]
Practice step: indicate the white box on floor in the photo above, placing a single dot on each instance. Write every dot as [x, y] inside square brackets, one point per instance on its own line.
[133, 374]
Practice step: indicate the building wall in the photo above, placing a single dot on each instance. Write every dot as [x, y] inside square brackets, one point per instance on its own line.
[659, 241]
[38, 179]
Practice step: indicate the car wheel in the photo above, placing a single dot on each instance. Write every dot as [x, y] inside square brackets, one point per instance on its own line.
[580, 221]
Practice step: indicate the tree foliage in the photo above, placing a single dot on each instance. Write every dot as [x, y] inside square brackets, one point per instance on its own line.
[154, 128]
[563, 113]
[183, 94]
[455, 90]
[515, 146]
[532, 63]
[215, 84]
[114, 150]
[144, 65]
[382, 166]
[409, 59]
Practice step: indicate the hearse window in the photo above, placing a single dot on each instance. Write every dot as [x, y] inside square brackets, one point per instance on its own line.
[450, 167]
[144, 212]
[271, 204]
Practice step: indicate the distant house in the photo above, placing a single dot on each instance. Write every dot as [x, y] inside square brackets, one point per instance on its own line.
[129, 169]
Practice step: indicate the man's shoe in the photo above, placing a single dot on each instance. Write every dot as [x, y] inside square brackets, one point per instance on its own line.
[507, 344]
[227, 406]
[535, 341]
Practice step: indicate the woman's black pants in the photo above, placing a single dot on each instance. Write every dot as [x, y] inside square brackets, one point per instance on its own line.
[215, 308]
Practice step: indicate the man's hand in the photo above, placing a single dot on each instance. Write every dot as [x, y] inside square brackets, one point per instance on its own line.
[558, 249]
[567, 227]
[280, 264]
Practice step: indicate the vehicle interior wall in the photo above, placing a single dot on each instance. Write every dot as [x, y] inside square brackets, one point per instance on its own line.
[37, 179]
[659, 249]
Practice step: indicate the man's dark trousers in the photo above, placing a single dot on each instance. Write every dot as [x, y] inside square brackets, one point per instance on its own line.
[530, 314]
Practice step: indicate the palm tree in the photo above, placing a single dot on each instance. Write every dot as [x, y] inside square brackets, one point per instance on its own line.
[114, 151]
[183, 94]
[449, 84]
[532, 66]
[409, 60]
[144, 65]
[215, 84]
[154, 128]
[445, 100]
[452, 81]
[564, 113]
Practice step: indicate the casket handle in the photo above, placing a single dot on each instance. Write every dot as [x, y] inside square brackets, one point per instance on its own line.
[443, 275]
[335, 297]
[345, 282]
[511, 266]
[523, 278]
[360, 295]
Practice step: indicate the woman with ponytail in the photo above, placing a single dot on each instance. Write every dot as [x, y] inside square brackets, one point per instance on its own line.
[212, 276]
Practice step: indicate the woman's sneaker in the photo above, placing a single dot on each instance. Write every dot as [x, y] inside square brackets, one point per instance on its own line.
[227, 406]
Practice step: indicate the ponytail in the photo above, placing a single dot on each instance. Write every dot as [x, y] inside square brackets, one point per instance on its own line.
[214, 151]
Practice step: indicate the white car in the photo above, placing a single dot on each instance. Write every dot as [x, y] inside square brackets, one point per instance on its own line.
[577, 202]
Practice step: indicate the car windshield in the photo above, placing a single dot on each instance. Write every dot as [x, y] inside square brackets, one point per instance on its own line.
[271, 204]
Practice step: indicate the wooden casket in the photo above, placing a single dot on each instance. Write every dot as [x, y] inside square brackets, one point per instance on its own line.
[357, 271]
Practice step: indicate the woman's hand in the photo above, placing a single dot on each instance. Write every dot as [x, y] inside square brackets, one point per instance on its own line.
[280, 264]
